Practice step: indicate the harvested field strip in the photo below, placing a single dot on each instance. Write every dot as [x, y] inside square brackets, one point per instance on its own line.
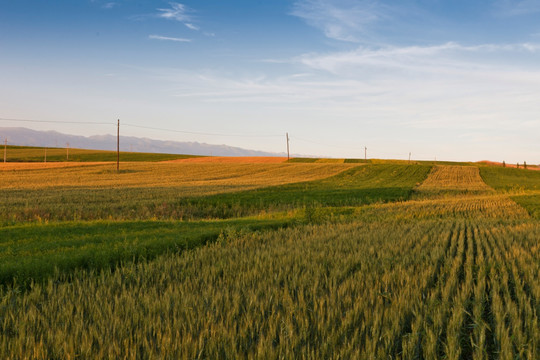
[452, 180]
[468, 207]
[209, 177]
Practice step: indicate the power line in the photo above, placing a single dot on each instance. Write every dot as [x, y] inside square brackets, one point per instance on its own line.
[328, 145]
[172, 130]
[57, 121]
[199, 133]
[137, 126]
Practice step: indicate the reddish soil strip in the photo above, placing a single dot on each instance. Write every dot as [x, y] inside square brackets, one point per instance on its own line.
[494, 163]
[232, 160]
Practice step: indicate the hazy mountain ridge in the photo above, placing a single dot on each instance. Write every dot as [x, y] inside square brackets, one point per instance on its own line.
[27, 137]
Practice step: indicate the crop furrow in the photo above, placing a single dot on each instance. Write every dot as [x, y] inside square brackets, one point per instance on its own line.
[485, 344]
[440, 301]
[522, 320]
[467, 298]
[434, 279]
[412, 321]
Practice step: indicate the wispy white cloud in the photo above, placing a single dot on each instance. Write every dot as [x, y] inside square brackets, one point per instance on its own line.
[168, 38]
[401, 94]
[178, 12]
[445, 57]
[175, 12]
[345, 20]
[109, 5]
[192, 27]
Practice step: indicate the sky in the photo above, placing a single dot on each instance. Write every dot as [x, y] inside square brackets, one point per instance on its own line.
[446, 80]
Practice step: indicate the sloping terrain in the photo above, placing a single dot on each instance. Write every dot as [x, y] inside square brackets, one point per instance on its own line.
[455, 276]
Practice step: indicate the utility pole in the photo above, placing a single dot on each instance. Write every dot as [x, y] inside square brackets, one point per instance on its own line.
[365, 152]
[288, 154]
[45, 159]
[118, 147]
[409, 157]
[5, 150]
[67, 151]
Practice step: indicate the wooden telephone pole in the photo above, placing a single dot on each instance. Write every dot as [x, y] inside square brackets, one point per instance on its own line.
[365, 152]
[67, 151]
[5, 150]
[118, 147]
[288, 154]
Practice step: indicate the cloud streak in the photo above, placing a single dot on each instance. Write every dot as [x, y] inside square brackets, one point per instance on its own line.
[447, 57]
[343, 20]
[178, 12]
[168, 38]
[448, 87]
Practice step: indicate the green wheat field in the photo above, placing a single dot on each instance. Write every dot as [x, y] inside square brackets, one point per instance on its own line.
[305, 259]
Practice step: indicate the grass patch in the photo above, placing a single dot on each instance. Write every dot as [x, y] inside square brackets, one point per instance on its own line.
[37, 154]
[357, 186]
[34, 252]
[303, 160]
[511, 179]
[531, 203]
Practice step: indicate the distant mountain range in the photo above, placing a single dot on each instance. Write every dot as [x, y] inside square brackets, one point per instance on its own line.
[28, 137]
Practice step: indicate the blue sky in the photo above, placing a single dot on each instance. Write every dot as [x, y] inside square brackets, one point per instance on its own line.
[454, 80]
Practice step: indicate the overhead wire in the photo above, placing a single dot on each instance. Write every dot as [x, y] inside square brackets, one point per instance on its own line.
[197, 132]
[136, 126]
[173, 130]
[57, 121]
[327, 145]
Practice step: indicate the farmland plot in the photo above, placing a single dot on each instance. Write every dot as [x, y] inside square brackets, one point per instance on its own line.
[141, 191]
[454, 277]
[452, 181]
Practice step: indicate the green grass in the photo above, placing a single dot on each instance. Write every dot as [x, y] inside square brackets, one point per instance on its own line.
[358, 186]
[524, 184]
[530, 202]
[357, 161]
[34, 252]
[510, 179]
[303, 160]
[37, 154]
